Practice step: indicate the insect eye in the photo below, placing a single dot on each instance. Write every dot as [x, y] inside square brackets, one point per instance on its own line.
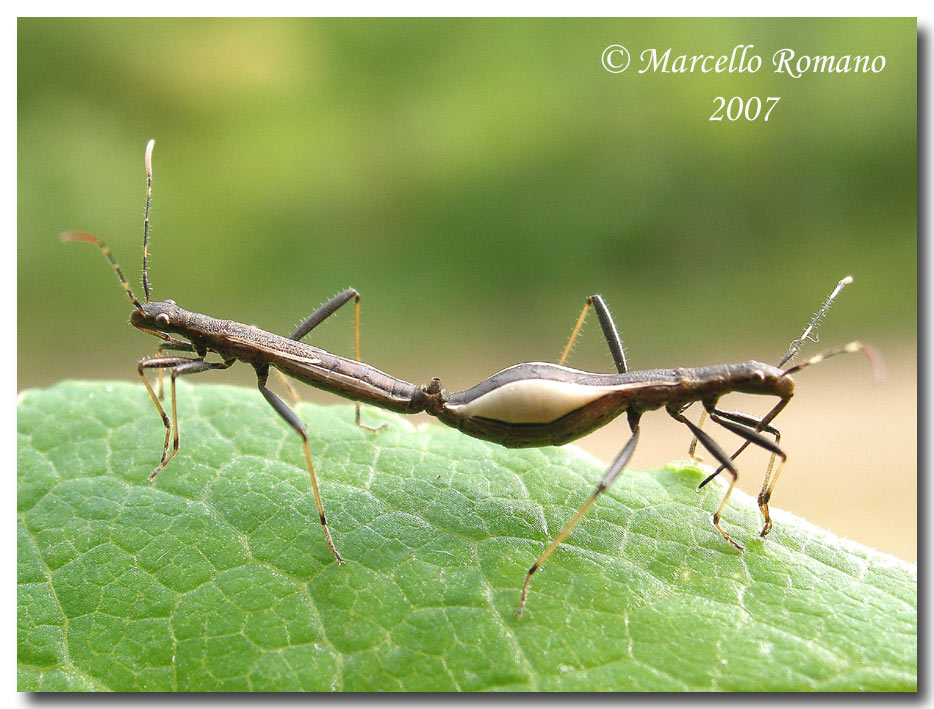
[162, 319]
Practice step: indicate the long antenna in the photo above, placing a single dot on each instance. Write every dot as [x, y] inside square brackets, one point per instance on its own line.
[806, 335]
[146, 286]
[874, 358]
[81, 236]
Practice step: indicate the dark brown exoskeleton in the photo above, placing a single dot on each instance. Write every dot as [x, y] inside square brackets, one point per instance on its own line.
[537, 404]
[181, 330]
[527, 405]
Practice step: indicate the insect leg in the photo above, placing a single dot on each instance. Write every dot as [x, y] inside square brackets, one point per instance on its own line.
[308, 324]
[609, 332]
[765, 494]
[738, 425]
[762, 425]
[693, 447]
[323, 313]
[738, 417]
[179, 365]
[319, 316]
[262, 373]
[289, 389]
[160, 351]
[612, 472]
[743, 430]
[749, 421]
[718, 453]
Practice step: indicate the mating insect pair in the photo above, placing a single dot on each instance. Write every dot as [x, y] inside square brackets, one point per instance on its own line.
[527, 405]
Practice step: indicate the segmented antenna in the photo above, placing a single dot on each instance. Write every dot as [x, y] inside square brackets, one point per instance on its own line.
[81, 236]
[874, 358]
[806, 335]
[149, 147]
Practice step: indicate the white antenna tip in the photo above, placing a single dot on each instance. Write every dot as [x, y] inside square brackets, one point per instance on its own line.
[149, 147]
[847, 281]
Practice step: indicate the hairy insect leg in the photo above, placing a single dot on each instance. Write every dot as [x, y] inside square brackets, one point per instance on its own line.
[262, 374]
[319, 316]
[610, 333]
[612, 472]
[180, 366]
[323, 313]
[718, 453]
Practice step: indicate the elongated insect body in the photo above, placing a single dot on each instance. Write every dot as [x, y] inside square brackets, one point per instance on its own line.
[541, 404]
[185, 331]
[312, 365]
[526, 405]
[537, 403]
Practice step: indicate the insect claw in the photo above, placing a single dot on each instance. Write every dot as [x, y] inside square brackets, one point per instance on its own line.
[716, 523]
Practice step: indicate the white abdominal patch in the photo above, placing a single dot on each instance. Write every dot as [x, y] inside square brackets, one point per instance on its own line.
[533, 401]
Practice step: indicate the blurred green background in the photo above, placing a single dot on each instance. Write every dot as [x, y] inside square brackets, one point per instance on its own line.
[475, 180]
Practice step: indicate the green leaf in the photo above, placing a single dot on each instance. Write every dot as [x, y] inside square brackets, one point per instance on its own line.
[217, 577]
